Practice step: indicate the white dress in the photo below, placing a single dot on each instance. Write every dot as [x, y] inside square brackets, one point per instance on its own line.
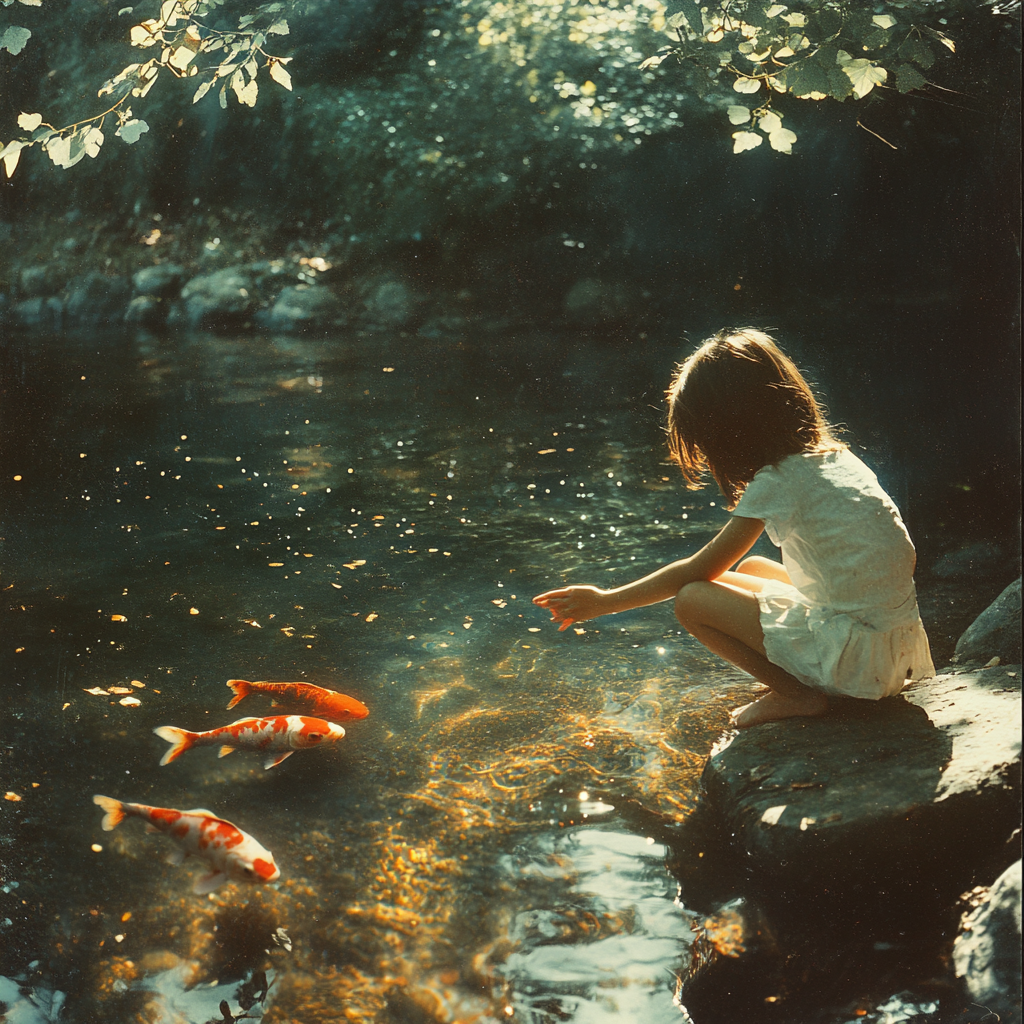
[849, 624]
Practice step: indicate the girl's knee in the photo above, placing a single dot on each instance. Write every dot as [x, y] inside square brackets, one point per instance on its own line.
[754, 565]
[689, 603]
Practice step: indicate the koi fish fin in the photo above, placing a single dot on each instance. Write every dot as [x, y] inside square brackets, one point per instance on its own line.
[180, 740]
[225, 750]
[242, 688]
[203, 811]
[207, 883]
[152, 828]
[114, 809]
[275, 759]
[177, 856]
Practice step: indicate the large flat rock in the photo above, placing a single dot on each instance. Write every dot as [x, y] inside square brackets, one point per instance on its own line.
[923, 785]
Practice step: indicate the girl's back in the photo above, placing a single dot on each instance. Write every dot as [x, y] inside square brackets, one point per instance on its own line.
[843, 541]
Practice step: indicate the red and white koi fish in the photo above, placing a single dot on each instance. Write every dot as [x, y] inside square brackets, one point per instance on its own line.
[231, 853]
[318, 700]
[279, 737]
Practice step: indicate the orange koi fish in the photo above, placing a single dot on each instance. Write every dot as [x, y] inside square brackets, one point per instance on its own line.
[334, 706]
[279, 737]
[231, 853]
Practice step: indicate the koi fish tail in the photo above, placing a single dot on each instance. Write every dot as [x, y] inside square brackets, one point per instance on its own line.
[115, 813]
[242, 688]
[180, 740]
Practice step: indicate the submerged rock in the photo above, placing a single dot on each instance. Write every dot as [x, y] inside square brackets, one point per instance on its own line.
[995, 632]
[162, 281]
[222, 299]
[929, 778]
[44, 314]
[987, 951]
[93, 299]
[42, 281]
[303, 308]
[392, 303]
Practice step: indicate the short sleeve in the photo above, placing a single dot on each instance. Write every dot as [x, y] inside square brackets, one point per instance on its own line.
[764, 499]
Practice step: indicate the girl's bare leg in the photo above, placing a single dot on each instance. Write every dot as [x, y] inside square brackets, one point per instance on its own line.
[726, 620]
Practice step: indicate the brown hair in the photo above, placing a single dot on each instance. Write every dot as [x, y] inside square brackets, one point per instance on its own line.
[739, 404]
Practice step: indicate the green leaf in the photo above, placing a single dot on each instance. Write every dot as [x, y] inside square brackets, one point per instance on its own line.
[747, 85]
[92, 139]
[11, 154]
[827, 23]
[58, 149]
[742, 141]
[739, 115]
[918, 51]
[770, 122]
[690, 11]
[864, 75]
[807, 77]
[30, 122]
[131, 131]
[909, 78]
[279, 28]
[781, 140]
[202, 90]
[14, 39]
[279, 75]
[839, 84]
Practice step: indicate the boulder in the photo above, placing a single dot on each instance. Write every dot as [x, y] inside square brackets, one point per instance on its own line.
[986, 953]
[223, 299]
[995, 633]
[591, 302]
[929, 778]
[42, 281]
[95, 299]
[41, 314]
[162, 281]
[392, 303]
[979, 558]
[146, 311]
[302, 308]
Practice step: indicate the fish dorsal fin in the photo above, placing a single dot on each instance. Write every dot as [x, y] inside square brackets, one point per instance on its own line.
[207, 883]
[204, 812]
[153, 828]
[276, 759]
[239, 721]
[225, 750]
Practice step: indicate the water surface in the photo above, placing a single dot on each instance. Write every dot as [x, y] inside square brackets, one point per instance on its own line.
[370, 514]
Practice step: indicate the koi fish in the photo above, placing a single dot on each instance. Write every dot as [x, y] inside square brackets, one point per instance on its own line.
[279, 737]
[230, 852]
[334, 706]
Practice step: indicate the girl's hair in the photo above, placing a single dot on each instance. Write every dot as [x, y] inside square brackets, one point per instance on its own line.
[739, 404]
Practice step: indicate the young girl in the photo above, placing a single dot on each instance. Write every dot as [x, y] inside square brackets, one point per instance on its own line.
[839, 614]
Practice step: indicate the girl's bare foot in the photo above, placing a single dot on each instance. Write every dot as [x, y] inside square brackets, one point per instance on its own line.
[773, 706]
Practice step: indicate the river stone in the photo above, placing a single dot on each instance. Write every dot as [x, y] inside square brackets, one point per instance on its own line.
[302, 308]
[222, 299]
[42, 281]
[392, 303]
[43, 314]
[146, 311]
[986, 954]
[995, 633]
[161, 281]
[928, 778]
[93, 299]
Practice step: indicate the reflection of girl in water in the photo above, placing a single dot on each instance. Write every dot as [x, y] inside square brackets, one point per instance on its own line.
[839, 614]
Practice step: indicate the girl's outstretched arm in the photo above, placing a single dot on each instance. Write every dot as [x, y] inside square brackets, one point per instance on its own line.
[575, 604]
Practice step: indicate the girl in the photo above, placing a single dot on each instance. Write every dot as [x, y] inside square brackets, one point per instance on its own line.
[839, 614]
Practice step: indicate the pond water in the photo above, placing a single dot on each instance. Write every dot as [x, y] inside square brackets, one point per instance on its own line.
[371, 515]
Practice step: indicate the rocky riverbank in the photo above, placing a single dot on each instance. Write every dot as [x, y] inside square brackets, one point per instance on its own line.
[823, 841]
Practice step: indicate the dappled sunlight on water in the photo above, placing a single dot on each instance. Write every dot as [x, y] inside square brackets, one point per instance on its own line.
[194, 510]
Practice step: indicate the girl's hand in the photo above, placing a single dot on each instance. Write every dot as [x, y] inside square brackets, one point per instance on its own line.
[573, 604]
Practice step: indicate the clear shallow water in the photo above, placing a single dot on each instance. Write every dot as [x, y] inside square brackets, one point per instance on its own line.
[373, 515]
